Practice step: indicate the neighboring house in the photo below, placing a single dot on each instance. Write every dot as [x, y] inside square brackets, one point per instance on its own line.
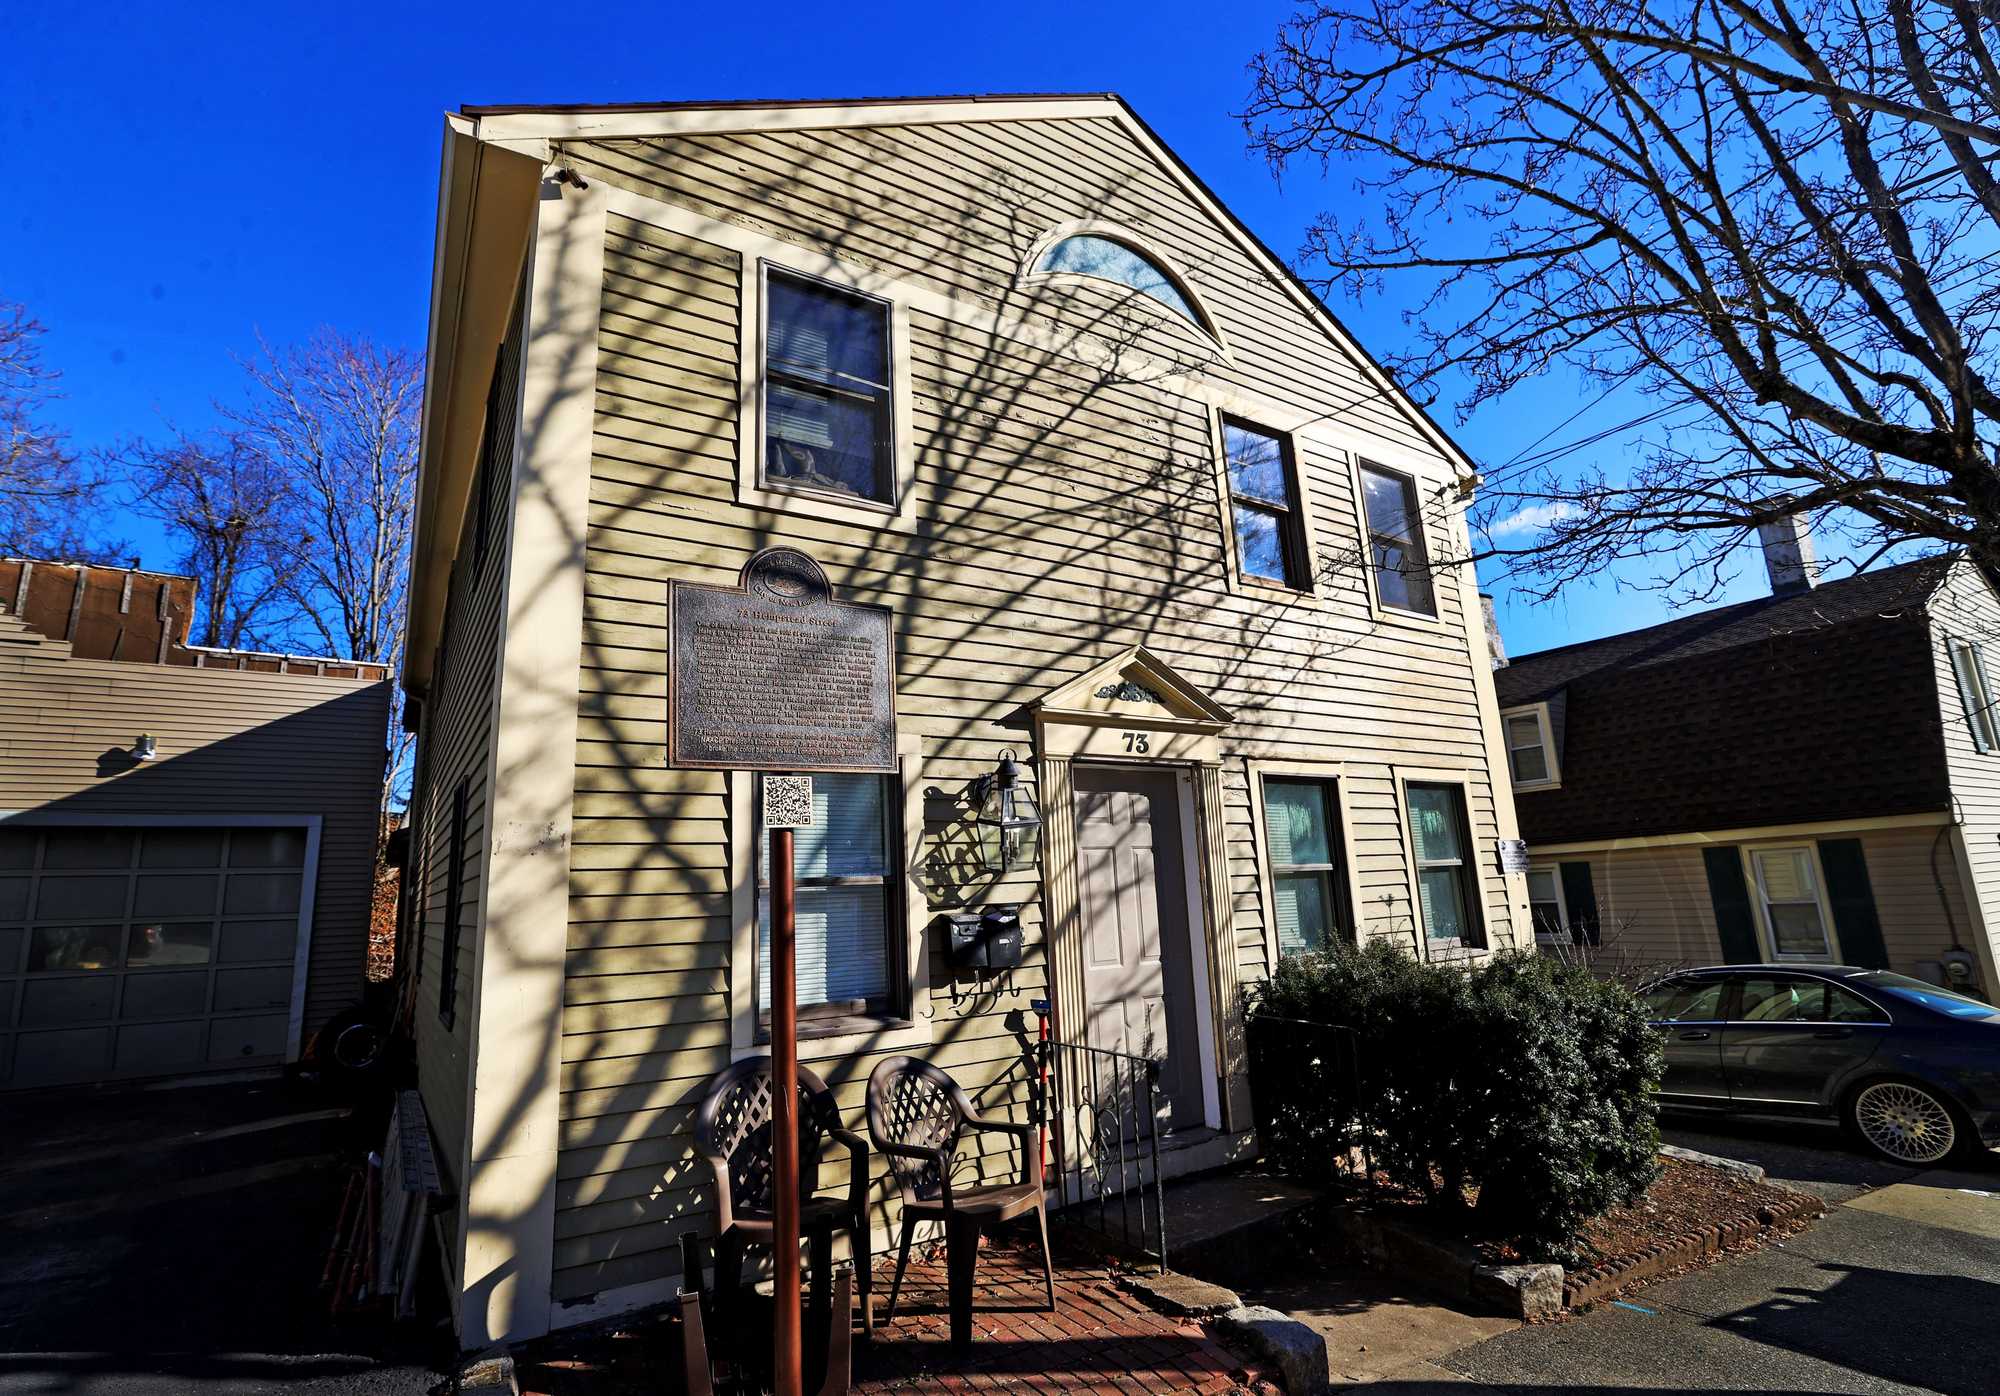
[187, 835]
[1811, 777]
[1143, 513]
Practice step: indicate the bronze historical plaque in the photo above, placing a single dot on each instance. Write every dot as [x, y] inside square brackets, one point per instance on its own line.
[773, 674]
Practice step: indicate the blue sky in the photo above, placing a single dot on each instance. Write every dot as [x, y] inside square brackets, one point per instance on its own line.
[184, 178]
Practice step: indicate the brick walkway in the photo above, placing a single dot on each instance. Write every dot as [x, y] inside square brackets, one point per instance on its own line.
[1100, 1340]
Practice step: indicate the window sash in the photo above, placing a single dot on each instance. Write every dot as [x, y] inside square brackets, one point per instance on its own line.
[857, 947]
[1283, 513]
[1552, 925]
[1807, 894]
[815, 380]
[1397, 551]
[1444, 874]
[1290, 877]
[1975, 694]
[1517, 750]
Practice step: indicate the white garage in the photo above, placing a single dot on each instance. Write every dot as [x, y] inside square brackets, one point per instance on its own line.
[161, 946]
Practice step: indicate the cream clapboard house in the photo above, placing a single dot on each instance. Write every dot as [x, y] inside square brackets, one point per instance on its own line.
[1143, 513]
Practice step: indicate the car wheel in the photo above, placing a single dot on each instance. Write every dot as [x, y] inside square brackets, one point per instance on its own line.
[1905, 1123]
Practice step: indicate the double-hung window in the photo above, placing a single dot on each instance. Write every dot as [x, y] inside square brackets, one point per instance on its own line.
[1528, 756]
[1545, 905]
[1396, 541]
[1264, 502]
[845, 903]
[1975, 693]
[1301, 822]
[1440, 840]
[827, 422]
[1788, 888]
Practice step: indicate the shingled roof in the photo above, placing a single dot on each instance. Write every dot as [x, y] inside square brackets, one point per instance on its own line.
[1885, 592]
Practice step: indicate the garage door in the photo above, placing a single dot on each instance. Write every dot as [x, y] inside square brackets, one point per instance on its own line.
[131, 952]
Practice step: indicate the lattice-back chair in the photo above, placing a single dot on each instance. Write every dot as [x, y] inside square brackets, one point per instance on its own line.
[732, 1130]
[916, 1117]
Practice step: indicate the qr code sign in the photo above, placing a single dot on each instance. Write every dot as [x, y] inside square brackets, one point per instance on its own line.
[788, 802]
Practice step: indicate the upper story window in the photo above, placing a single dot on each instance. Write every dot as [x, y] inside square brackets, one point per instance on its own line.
[1975, 693]
[827, 423]
[1531, 755]
[1264, 501]
[1087, 254]
[1396, 541]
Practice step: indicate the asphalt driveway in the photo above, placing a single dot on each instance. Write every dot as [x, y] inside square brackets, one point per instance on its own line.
[172, 1241]
[1897, 1289]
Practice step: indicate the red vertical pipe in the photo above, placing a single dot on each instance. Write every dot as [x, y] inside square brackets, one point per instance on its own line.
[785, 1113]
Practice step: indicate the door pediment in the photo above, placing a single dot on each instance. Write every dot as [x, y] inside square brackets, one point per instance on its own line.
[1136, 689]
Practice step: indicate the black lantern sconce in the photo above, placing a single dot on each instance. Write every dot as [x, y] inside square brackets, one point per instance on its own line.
[1008, 826]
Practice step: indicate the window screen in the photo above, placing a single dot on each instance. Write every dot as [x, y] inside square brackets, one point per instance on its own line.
[845, 905]
[1301, 822]
[826, 390]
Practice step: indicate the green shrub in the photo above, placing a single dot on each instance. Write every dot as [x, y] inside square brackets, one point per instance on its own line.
[1520, 1079]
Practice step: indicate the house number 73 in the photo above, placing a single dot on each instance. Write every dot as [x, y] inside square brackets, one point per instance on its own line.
[1136, 741]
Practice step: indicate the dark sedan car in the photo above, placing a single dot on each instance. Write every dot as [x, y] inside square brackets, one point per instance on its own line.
[1912, 1069]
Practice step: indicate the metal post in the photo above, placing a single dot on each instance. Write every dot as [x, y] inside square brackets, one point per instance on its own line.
[785, 1116]
[1159, 1183]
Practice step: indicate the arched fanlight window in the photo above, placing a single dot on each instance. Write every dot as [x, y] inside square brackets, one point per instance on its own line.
[1088, 254]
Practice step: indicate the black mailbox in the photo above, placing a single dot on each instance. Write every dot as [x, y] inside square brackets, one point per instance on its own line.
[1000, 937]
[965, 944]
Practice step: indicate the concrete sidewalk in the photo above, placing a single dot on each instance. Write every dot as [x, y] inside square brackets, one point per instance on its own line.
[1896, 1290]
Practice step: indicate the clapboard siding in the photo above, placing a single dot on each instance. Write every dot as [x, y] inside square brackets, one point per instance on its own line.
[1656, 909]
[1061, 515]
[230, 742]
[1965, 608]
[456, 745]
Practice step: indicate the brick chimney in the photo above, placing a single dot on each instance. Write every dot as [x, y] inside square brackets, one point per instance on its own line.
[1495, 650]
[1788, 555]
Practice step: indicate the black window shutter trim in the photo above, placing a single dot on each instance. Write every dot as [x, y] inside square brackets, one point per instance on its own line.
[1855, 919]
[1734, 924]
[1580, 903]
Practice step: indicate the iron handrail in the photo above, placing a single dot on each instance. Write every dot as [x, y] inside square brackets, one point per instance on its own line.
[1087, 1073]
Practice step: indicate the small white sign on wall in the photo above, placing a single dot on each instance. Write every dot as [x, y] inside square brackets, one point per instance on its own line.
[1513, 855]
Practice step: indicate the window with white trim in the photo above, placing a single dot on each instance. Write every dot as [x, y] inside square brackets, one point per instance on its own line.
[1440, 841]
[1264, 505]
[1530, 753]
[1545, 906]
[1302, 826]
[1975, 693]
[1794, 911]
[1396, 541]
[846, 904]
[828, 427]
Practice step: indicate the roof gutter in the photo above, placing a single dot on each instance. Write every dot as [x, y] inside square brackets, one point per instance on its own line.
[486, 206]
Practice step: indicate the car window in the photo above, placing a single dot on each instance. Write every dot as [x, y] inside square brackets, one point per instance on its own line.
[1845, 1007]
[1931, 997]
[1685, 1001]
[1781, 999]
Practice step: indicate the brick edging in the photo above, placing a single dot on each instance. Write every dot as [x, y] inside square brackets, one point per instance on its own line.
[1619, 1273]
